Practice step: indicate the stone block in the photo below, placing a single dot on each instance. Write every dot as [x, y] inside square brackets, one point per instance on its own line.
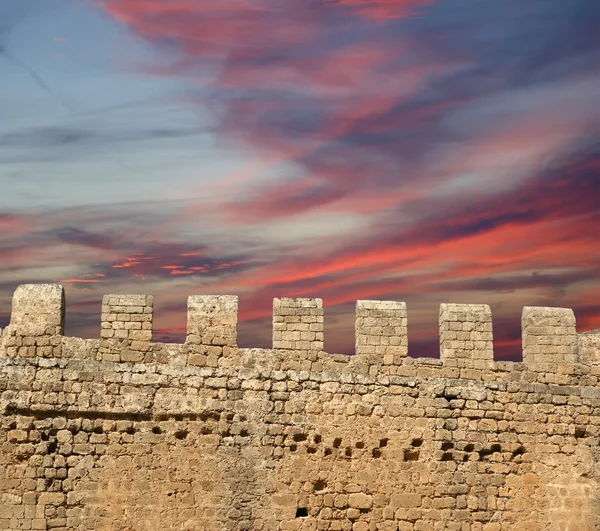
[461, 335]
[212, 320]
[38, 310]
[383, 325]
[549, 336]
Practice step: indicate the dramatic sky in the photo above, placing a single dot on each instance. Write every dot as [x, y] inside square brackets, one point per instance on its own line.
[424, 151]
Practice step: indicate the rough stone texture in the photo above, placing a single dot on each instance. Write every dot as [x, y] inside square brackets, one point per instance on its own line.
[212, 328]
[38, 310]
[381, 332]
[124, 434]
[298, 324]
[126, 328]
[589, 347]
[549, 337]
[466, 335]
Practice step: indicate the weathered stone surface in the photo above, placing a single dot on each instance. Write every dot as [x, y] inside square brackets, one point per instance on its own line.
[466, 335]
[38, 310]
[125, 434]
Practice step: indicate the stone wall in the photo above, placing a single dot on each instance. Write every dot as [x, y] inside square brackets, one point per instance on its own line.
[125, 434]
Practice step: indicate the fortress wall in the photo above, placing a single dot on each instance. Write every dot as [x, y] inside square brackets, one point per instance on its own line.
[126, 327]
[549, 338]
[211, 329]
[293, 438]
[381, 334]
[466, 336]
[588, 345]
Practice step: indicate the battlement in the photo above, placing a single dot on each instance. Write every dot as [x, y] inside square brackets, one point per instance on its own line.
[551, 344]
[123, 432]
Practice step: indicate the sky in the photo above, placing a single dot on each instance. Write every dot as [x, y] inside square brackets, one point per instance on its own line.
[425, 151]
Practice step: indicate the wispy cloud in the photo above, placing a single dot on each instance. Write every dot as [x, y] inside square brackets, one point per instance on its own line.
[413, 150]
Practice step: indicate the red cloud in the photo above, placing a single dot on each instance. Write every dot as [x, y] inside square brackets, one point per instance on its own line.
[383, 9]
[266, 45]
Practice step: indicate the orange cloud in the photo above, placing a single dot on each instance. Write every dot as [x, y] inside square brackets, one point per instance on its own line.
[131, 263]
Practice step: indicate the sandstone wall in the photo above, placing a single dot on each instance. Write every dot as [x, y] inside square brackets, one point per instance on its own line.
[125, 434]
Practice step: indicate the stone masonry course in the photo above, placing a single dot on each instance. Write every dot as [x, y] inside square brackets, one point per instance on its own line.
[125, 434]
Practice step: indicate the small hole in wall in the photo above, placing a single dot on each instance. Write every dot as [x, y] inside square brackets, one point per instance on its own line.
[205, 430]
[182, 434]
[337, 443]
[411, 455]
[360, 444]
[210, 415]
[244, 433]
[447, 446]
[299, 437]
[447, 456]
[320, 484]
[156, 430]
[416, 442]
[579, 432]
[301, 512]
[328, 451]
[52, 447]
[293, 448]
[383, 443]
[376, 453]
[465, 458]
[98, 429]
[469, 447]
[311, 450]
[348, 452]
[317, 439]
[484, 452]
[130, 430]
[519, 451]
[496, 448]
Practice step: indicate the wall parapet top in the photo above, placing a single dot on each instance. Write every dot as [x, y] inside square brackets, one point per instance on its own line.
[551, 346]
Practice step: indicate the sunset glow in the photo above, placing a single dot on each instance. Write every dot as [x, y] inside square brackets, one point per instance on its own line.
[424, 151]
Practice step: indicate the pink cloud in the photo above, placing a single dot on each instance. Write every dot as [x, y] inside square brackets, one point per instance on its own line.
[351, 83]
[299, 98]
[383, 9]
[14, 224]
